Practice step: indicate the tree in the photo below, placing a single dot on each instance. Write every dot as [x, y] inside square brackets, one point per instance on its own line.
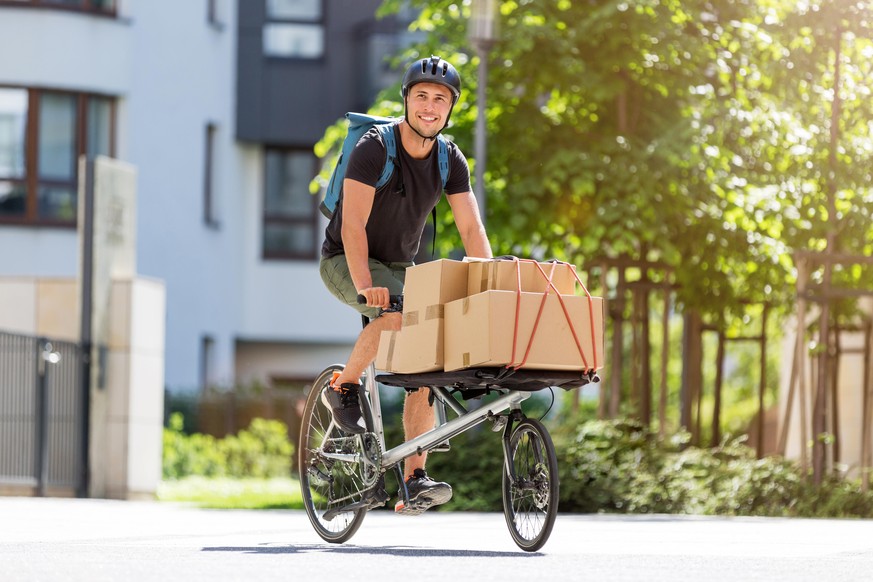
[691, 132]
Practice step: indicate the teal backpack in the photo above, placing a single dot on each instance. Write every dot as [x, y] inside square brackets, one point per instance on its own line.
[359, 124]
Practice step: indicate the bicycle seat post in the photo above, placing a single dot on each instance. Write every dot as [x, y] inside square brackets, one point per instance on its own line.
[440, 418]
[371, 389]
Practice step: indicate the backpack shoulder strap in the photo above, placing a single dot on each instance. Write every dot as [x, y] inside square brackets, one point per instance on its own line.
[388, 138]
[387, 133]
[443, 158]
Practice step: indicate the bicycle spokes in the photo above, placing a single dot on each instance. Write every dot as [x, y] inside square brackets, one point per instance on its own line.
[530, 494]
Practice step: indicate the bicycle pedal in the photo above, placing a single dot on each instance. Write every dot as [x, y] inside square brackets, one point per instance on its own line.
[443, 447]
[499, 423]
[411, 508]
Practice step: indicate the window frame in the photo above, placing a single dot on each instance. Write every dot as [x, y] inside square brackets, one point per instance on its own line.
[211, 212]
[88, 7]
[213, 14]
[32, 180]
[319, 22]
[314, 220]
[207, 361]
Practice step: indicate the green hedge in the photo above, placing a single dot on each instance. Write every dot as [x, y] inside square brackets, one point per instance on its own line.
[615, 466]
[620, 466]
[260, 451]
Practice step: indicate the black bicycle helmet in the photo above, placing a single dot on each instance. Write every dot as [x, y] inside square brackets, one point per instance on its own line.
[432, 70]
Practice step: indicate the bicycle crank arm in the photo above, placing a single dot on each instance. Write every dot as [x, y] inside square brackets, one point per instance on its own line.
[371, 500]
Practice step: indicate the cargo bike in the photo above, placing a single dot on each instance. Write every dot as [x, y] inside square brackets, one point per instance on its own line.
[341, 474]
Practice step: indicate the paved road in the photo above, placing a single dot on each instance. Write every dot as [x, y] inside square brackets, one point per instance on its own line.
[48, 540]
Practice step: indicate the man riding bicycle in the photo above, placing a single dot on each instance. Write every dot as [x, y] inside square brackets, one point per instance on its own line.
[374, 235]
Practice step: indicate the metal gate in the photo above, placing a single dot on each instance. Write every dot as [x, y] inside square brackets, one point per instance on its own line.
[42, 415]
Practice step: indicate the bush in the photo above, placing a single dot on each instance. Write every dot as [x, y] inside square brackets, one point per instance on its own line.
[620, 466]
[474, 469]
[261, 451]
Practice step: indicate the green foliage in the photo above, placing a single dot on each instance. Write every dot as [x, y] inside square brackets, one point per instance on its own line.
[232, 493]
[620, 466]
[263, 450]
[708, 135]
[474, 468]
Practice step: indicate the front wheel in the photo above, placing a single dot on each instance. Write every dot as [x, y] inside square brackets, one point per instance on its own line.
[332, 477]
[530, 494]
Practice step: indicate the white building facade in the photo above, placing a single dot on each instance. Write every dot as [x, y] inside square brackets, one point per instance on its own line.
[217, 104]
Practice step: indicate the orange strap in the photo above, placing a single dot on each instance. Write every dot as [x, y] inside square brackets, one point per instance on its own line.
[550, 286]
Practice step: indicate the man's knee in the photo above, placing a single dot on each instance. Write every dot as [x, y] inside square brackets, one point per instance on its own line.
[390, 321]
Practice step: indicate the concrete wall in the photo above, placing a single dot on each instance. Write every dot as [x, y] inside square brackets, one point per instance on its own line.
[127, 412]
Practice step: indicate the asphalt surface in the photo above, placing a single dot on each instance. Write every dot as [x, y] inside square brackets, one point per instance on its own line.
[47, 540]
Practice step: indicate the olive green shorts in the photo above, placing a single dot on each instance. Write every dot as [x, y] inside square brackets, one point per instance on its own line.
[335, 274]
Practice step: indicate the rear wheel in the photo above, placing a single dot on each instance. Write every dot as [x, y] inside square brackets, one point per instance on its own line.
[332, 473]
[530, 497]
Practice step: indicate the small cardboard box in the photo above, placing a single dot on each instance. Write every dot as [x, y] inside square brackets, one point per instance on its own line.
[433, 283]
[412, 350]
[479, 331]
[502, 274]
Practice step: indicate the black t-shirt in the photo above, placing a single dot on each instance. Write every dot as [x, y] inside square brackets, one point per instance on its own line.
[397, 220]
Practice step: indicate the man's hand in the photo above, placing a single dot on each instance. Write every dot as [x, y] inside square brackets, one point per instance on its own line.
[376, 296]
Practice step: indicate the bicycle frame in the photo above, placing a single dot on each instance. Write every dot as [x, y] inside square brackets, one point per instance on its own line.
[345, 472]
[445, 430]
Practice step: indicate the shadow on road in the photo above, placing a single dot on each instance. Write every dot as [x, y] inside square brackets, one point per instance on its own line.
[403, 551]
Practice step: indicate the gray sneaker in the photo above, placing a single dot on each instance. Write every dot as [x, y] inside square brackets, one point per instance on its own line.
[424, 493]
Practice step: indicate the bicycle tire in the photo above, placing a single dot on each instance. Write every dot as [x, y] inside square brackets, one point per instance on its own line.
[530, 502]
[323, 479]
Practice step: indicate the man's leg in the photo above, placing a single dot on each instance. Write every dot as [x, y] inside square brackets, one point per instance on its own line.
[366, 347]
[344, 398]
[417, 420]
[424, 492]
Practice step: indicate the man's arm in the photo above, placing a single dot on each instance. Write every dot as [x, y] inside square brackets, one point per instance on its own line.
[466, 213]
[357, 204]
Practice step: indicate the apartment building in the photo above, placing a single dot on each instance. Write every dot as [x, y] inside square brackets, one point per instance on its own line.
[217, 105]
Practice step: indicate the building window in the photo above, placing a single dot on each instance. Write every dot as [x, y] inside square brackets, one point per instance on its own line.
[290, 211]
[207, 362]
[294, 29]
[107, 7]
[214, 13]
[13, 129]
[210, 203]
[42, 135]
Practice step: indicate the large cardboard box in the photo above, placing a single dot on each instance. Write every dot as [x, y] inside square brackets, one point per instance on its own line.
[502, 274]
[479, 331]
[412, 350]
[418, 346]
[433, 283]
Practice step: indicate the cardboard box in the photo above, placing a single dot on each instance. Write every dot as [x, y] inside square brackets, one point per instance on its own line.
[433, 283]
[479, 331]
[412, 350]
[502, 274]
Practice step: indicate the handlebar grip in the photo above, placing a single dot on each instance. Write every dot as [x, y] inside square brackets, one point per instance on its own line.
[393, 299]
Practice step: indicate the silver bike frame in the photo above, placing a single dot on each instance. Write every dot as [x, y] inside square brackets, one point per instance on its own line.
[445, 429]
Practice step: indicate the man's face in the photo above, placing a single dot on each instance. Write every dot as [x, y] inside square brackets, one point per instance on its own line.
[428, 106]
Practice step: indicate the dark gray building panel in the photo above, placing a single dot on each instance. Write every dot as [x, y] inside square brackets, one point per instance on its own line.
[289, 102]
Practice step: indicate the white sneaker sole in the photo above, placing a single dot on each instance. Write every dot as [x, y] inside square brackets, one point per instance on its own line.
[424, 501]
